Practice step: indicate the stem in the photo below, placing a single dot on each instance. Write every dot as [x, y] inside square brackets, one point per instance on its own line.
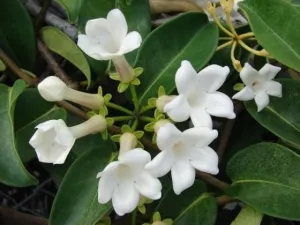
[135, 124]
[147, 119]
[122, 118]
[225, 38]
[228, 20]
[118, 107]
[213, 181]
[262, 53]
[246, 35]
[41, 15]
[146, 108]
[134, 97]
[236, 63]
[224, 199]
[224, 45]
[133, 217]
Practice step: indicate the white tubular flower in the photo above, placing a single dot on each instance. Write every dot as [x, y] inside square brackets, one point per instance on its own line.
[259, 85]
[53, 140]
[54, 89]
[107, 39]
[198, 96]
[182, 153]
[125, 180]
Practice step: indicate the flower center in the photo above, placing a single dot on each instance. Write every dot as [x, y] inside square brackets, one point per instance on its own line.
[257, 85]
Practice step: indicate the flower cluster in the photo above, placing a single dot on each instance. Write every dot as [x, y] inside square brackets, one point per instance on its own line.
[134, 175]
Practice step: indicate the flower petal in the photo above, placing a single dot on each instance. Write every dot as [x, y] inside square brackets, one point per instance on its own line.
[148, 186]
[167, 136]
[107, 184]
[131, 42]
[274, 88]
[199, 136]
[183, 176]
[201, 118]
[161, 164]
[204, 159]
[45, 126]
[245, 94]
[268, 71]
[125, 197]
[261, 100]
[212, 77]
[220, 105]
[185, 78]
[118, 26]
[135, 158]
[178, 109]
[249, 75]
[63, 134]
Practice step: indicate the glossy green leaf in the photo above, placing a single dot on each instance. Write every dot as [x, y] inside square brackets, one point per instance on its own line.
[248, 216]
[190, 36]
[266, 177]
[13, 172]
[17, 37]
[61, 44]
[2, 66]
[72, 8]
[274, 30]
[77, 198]
[193, 206]
[281, 116]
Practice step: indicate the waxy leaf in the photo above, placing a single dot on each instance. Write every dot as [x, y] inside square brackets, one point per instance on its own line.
[281, 116]
[61, 44]
[72, 8]
[266, 177]
[77, 198]
[189, 36]
[248, 216]
[275, 24]
[13, 172]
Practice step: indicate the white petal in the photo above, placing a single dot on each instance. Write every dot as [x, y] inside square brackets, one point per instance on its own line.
[131, 42]
[63, 156]
[109, 168]
[274, 88]
[167, 136]
[178, 109]
[268, 71]
[245, 94]
[185, 78]
[135, 158]
[118, 26]
[261, 100]
[183, 176]
[212, 77]
[161, 164]
[220, 105]
[125, 197]
[201, 118]
[45, 126]
[63, 134]
[106, 185]
[199, 136]
[52, 89]
[204, 159]
[249, 75]
[148, 186]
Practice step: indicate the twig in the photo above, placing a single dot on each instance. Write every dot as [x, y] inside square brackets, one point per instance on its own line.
[41, 16]
[224, 199]
[295, 75]
[213, 181]
[54, 65]
[162, 6]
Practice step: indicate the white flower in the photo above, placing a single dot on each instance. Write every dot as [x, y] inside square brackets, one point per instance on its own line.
[108, 38]
[182, 153]
[259, 85]
[124, 180]
[54, 89]
[198, 96]
[53, 139]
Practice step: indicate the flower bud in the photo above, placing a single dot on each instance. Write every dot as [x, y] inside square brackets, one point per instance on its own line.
[128, 141]
[162, 101]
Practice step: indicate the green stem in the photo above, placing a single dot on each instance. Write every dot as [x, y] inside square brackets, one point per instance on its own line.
[120, 108]
[122, 118]
[135, 124]
[134, 97]
[146, 108]
[133, 217]
[147, 119]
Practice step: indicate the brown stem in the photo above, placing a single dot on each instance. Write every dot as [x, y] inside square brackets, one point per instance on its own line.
[224, 199]
[213, 181]
[163, 6]
[41, 15]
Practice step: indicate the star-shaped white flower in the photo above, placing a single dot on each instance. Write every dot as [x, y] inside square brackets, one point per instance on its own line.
[108, 38]
[182, 153]
[124, 180]
[259, 85]
[198, 96]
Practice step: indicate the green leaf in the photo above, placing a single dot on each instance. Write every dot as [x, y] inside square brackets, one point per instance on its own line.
[266, 177]
[61, 44]
[281, 116]
[77, 199]
[13, 172]
[197, 44]
[17, 37]
[192, 206]
[274, 30]
[2, 66]
[248, 216]
[72, 8]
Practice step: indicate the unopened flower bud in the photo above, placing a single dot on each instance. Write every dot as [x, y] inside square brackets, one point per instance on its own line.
[162, 101]
[128, 141]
